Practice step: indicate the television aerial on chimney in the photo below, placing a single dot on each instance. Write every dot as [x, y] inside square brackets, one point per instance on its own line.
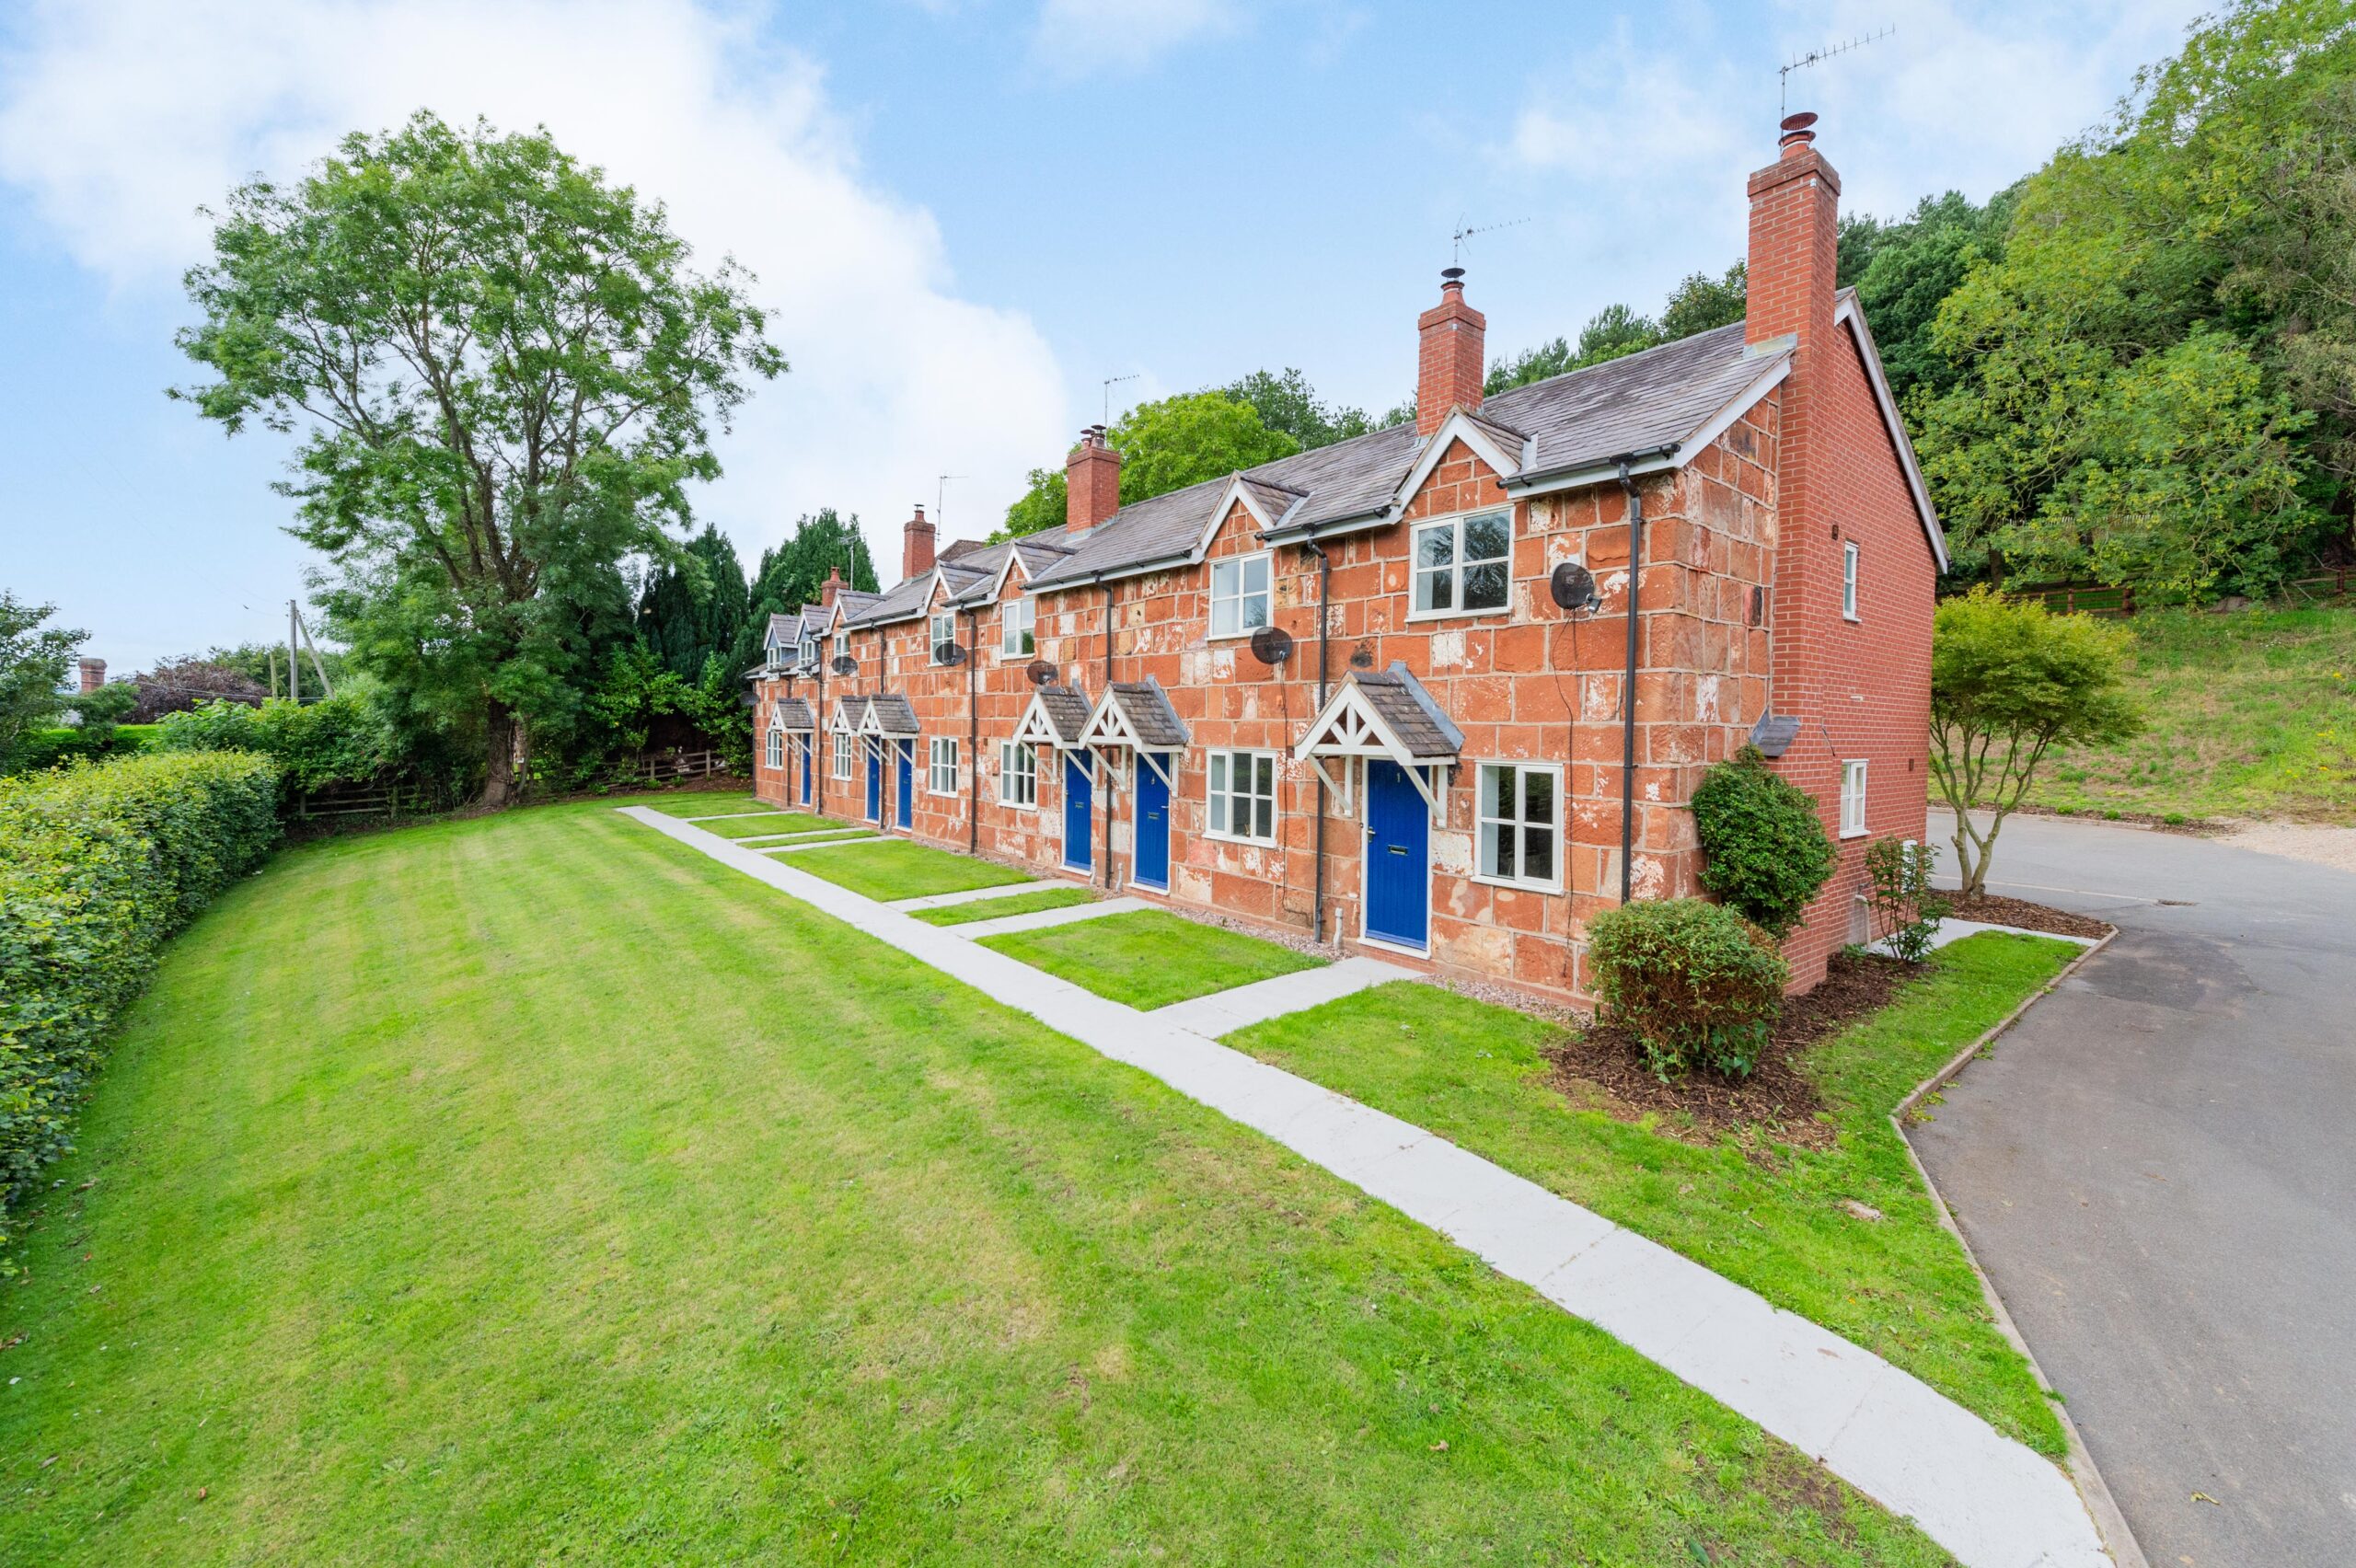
[941, 495]
[1456, 240]
[1111, 381]
[1817, 57]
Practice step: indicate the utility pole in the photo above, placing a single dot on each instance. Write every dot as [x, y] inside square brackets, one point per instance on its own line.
[327, 686]
[294, 666]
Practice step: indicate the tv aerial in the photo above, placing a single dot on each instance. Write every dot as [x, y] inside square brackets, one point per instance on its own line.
[1111, 381]
[1817, 57]
[1456, 240]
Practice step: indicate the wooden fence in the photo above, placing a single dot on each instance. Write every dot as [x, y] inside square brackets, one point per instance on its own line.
[355, 800]
[677, 765]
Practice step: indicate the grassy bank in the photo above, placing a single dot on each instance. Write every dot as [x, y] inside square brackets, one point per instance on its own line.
[2251, 715]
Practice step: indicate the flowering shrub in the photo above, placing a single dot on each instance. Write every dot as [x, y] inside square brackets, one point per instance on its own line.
[99, 864]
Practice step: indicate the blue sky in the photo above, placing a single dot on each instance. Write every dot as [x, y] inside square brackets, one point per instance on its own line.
[964, 214]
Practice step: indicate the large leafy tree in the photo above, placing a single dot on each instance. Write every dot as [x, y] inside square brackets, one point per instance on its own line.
[33, 661]
[504, 377]
[2129, 395]
[694, 608]
[1285, 401]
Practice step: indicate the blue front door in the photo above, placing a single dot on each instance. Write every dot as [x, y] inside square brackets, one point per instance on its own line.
[907, 798]
[1079, 799]
[875, 783]
[1152, 866]
[1398, 857]
[803, 746]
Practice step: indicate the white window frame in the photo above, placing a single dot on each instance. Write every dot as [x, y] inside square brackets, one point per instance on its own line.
[809, 653]
[1483, 819]
[940, 757]
[1220, 795]
[1017, 621]
[1849, 575]
[1240, 593]
[1853, 797]
[842, 645]
[844, 746]
[932, 637]
[1417, 571]
[1018, 776]
[776, 651]
[776, 748]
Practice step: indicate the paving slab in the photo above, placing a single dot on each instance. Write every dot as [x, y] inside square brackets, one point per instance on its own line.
[1040, 920]
[754, 839]
[731, 816]
[1223, 1012]
[1990, 1501]
[858, 836]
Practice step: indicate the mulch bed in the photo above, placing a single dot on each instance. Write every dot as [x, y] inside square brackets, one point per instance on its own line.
[1993, 910]
[1604, 1068]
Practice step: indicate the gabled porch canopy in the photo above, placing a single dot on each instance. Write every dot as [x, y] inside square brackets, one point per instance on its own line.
[889, 717]
[793, 714]
[1388, 716]
[848, 712]
[1058, 716]
[1135, 718]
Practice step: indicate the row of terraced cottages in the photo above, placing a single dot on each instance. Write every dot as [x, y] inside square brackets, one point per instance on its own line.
[1350, 694]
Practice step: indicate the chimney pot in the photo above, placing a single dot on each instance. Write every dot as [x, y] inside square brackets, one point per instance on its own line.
[1796, 133]
[832, 586]
[93, 674]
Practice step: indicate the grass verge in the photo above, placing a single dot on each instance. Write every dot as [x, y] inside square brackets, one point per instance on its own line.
[774, 822]
[1015, 904]
[536, 1189]
[1148, 959]
[697, 802]
[1772, 1217]
[2250, 715]
[901, 870]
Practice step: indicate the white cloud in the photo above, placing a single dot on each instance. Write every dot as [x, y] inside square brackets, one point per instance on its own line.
[1078, 38]
[119, 117]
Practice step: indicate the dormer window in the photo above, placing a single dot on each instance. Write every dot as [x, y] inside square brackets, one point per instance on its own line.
[944, 635]
[1015, 638]
[809, 651]
[1461, 564]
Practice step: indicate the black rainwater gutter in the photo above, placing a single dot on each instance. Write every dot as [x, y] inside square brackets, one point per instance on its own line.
[1628, 683]
[1092, 761]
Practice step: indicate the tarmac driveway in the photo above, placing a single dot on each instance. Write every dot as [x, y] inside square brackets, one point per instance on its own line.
[2157, 1167]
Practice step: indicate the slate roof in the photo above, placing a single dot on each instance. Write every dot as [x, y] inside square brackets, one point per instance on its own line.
[1641, 402]
[850, 712]
[892, 714]
[794, 714]
[1408, 708]
[1067, 710]
[1150, 717]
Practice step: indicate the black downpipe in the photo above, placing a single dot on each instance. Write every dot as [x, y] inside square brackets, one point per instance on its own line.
[1628, 686]
[1324, 636]
[1107, 870]
[972, 737]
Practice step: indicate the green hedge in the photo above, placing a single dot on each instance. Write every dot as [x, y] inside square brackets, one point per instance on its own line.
[47, 748]
[99, 864]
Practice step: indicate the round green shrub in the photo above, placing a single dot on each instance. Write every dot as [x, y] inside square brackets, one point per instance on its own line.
[1764, 848]
[1696, 985]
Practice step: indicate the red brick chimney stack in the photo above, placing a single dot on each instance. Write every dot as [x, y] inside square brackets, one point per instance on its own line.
[93, 674]
[1794, 230]
[832, 586]
[1450, 355]
[916, 547]
[1091, 481]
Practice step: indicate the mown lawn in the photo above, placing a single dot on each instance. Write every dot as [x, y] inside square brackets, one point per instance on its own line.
[768, 823]
[902, 870]
[697, 802]
[1013, 904]
[1148, 959]
[1899, 1285]
[536, 1189]
[2250, 715]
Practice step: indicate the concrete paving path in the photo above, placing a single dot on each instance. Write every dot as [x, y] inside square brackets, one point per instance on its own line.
[942, 900]
[839, 841]
[1224, 1012]
[2153, 1166]
[1990, 1501]
[733, 816]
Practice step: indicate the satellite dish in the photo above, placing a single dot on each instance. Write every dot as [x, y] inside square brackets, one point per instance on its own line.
[1272, 645]
[1362, 657]
[1040, 672]
[1573, 587]
[948, 653]
[845, 664]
